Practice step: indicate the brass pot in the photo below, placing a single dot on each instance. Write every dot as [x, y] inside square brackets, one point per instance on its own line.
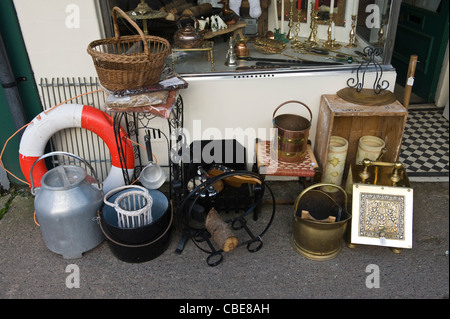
[315, 239]
[187, 37]
[241, 49]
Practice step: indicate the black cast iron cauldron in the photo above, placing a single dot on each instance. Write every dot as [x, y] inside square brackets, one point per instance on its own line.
[140, 244]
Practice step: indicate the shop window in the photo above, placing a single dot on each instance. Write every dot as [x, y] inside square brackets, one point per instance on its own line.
[328, 39]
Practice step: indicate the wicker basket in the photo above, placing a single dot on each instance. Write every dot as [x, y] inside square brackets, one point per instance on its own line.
[128, 62]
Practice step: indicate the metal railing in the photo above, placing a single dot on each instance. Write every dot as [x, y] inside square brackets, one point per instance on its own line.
[78, 141]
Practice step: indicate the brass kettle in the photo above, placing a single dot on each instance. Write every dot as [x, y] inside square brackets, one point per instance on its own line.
[187, 37]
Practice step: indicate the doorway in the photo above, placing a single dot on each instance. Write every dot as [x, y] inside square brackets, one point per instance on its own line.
[422, 31]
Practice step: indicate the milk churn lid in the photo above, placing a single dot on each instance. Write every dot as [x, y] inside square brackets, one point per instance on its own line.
[63, 177]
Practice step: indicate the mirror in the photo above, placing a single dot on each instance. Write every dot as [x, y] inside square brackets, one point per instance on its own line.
[306, 45]
[323, 8]
[373, 20]
[338, 12]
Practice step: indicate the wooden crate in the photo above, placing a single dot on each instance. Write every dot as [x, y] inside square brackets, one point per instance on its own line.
[338, 117]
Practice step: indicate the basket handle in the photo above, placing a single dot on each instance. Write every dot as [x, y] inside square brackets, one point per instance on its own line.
[310, 113]
[315, 186]
[126, 17]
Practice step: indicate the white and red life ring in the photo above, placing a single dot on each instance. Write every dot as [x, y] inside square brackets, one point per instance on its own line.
[45, 125]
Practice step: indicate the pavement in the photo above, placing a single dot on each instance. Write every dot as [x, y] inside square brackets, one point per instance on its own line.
[28, 270]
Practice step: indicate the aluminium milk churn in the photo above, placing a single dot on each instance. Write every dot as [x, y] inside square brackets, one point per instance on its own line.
[66, 208]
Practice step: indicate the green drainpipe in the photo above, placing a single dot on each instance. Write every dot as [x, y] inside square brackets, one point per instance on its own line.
[26, 86]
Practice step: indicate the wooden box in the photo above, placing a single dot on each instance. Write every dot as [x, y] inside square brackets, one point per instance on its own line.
[338, 117]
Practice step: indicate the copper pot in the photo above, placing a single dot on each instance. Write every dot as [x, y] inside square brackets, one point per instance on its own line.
[293, 133]
[187, 37]
[241, 49]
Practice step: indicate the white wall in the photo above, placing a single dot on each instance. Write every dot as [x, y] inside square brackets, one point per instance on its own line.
[249, 102]
[57, 34]
[442, 94]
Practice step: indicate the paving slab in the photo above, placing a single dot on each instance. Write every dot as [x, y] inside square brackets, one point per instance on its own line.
[28, 270]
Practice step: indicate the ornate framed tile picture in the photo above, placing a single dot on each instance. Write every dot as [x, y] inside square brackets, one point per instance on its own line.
[382, 215]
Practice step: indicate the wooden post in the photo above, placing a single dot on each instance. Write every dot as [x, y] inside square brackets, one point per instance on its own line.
[409, 80]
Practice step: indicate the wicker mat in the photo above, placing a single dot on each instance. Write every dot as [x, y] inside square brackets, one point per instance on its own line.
[425, 146]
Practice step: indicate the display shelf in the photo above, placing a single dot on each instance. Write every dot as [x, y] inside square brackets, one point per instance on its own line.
[338, 117]
[136, 120]
[207, 46]
[235, 28]
[267, 165]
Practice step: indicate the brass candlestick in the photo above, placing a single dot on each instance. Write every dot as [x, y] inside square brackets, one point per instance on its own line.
[290, 34]
[142, 8]
[352, 40]
[297, 28]
[331, 43]
[381, 31]
[313, 36]
[144, 12]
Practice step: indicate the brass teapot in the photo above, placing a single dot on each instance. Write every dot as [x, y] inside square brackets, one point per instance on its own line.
[187, 37]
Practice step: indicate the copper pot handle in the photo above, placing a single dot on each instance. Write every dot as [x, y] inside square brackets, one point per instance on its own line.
[186, 16]
[310, 113]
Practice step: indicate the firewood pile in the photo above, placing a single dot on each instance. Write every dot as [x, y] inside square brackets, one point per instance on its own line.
[177, 8]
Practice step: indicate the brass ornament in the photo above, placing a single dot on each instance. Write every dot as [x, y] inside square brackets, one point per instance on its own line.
[378, 95]
[366, 96]
[382, 205]
[268, 46]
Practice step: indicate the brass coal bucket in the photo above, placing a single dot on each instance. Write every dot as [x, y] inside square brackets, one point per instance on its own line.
[316, 238]
[293, 132]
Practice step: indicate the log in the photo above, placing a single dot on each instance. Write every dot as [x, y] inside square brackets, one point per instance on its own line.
[170, 16]
[204, 9]
[174, 4]
[177, 6]
[220, 232]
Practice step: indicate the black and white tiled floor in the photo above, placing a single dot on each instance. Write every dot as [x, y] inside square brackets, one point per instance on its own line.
[425, 145]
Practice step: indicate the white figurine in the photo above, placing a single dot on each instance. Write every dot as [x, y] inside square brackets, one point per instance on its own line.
[220, 23]
[214, 25]
[202, 24]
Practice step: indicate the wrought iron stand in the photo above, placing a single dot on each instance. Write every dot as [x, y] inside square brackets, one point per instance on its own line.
[136, 121]
[237, 214]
